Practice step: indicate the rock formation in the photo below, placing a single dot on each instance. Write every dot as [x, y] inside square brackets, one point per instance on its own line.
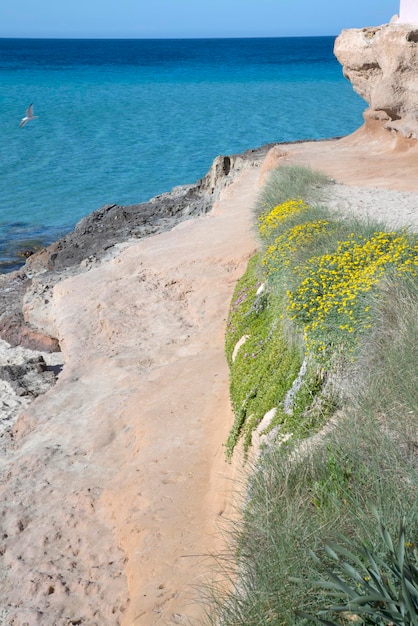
[382, 65]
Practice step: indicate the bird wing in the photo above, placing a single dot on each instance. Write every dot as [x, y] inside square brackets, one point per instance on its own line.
[29, 112]
[23, 122]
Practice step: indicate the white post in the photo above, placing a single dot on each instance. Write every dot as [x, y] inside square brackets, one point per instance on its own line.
[408, 13]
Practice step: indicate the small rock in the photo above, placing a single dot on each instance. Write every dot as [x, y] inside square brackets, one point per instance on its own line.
[32, 378]
[238, 346]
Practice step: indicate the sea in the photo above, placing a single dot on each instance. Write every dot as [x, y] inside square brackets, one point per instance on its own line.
[120, 121]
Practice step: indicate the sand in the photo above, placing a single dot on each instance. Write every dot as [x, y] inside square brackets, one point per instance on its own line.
[116, 483]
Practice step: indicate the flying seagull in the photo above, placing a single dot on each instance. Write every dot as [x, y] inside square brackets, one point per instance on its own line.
[28, 117]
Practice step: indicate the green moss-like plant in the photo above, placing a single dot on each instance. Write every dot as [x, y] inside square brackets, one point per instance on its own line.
[311, 407]
[265, 366]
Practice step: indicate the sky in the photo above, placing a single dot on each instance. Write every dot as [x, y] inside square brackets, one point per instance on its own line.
[189, 18]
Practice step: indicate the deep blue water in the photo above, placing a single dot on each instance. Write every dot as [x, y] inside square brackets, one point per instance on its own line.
[123, 120]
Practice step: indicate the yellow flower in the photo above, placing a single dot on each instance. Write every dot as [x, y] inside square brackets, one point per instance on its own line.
[267, 222]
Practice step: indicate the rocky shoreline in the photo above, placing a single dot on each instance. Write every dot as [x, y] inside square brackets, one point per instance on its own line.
[101, 235]
[95, 494]
[26, 293]
[30, 357]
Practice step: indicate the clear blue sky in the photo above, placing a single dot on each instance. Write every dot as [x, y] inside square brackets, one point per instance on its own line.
[189, 18]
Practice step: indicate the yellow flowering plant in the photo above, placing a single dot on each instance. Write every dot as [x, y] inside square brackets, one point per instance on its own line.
[279, 254]
[268, 222]
[329, 302]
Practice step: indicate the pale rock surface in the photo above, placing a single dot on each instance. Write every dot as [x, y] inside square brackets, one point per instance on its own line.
[371, 157]
[274, 156]
[239, 345]
[382, 65]
[259, 436]
[12, 401]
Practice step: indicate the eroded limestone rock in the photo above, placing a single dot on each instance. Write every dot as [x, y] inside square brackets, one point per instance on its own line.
[382, 65]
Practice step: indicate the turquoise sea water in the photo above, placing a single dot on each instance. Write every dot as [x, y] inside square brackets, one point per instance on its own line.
[123, 120]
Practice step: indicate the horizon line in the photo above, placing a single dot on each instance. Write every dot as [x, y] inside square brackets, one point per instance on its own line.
[121, 38]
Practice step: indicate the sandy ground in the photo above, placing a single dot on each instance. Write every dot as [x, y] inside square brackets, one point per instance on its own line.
[394, 209]
[116, 481]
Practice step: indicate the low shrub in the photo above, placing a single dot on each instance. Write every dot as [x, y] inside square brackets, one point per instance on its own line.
[265, 366]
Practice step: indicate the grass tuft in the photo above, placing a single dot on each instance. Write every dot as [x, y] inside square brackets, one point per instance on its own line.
[291, 182]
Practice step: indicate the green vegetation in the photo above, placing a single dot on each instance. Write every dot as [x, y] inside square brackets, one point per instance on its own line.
[378, 590]
[290, 182]
[265, 366]
[323, 329]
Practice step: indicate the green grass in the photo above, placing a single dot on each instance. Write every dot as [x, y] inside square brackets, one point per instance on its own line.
[385, 376]
[298, 499]
[290, 182]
